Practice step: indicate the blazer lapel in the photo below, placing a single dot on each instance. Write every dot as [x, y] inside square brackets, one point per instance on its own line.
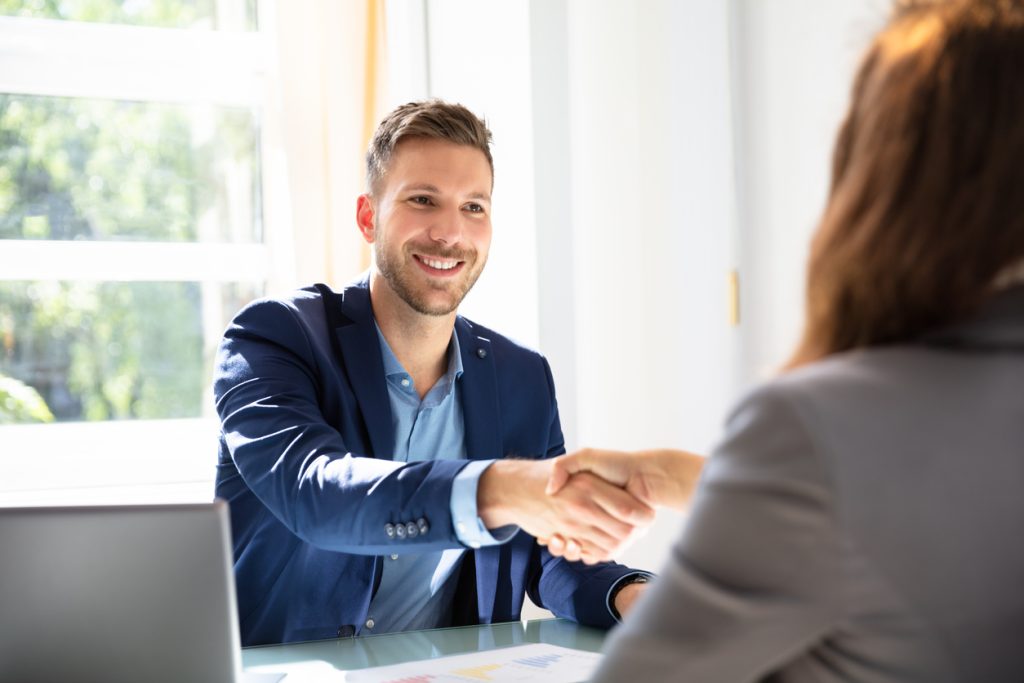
[482, 418]
[479, 385]
[351, 317]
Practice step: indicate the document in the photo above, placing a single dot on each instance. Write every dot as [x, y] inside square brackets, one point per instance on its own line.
[536, 663]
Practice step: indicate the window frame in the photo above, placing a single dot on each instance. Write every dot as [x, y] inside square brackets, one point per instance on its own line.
[139, 460]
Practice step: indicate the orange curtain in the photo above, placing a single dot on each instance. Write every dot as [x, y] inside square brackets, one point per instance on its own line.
[374, 84]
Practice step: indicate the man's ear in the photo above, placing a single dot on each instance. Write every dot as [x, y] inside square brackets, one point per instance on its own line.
[366, 217]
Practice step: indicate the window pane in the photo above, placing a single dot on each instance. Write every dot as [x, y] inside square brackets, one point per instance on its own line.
[229, 15]
[111, 350]
[91, 169]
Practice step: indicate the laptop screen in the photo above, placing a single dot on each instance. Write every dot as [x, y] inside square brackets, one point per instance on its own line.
[140, 593]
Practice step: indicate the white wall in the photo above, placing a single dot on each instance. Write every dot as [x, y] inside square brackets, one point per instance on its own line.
[644, 149]
[794, 63]
[651, 197]
[478, 53]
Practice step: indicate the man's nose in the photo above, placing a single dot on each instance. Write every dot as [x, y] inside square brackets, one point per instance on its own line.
[447, 228]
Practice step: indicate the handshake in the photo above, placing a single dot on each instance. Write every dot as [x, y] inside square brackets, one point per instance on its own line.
[588, 505]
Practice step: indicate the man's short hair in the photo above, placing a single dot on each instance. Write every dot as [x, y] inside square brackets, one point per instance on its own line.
[433, 119]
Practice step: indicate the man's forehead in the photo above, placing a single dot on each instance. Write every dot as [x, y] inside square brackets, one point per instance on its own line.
[436, 165]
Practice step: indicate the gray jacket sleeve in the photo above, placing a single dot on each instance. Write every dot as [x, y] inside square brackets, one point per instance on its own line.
[754, 580]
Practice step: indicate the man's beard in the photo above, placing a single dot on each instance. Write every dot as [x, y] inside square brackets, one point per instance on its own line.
[402, 282]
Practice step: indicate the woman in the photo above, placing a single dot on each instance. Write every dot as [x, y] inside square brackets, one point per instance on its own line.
[863, 518]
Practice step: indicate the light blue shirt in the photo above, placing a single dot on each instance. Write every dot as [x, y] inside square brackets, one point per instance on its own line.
[417, 589]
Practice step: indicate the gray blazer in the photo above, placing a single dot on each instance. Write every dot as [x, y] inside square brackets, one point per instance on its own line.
[862, 520]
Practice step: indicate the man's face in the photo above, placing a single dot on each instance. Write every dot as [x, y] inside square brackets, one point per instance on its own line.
[430, 223]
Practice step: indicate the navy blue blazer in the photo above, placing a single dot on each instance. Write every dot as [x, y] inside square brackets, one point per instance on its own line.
[304, 462]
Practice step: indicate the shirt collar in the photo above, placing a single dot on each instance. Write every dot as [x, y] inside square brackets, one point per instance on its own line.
[999, 325]
[393, 367]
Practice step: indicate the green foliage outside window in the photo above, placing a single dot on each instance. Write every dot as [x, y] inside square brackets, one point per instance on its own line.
[101, 169]
[87, 169]
[101, 351]
[159, 13]
[73, 169]
[21, 403]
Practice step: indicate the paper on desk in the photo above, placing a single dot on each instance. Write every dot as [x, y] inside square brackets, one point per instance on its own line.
[254, 677]
[536, 663]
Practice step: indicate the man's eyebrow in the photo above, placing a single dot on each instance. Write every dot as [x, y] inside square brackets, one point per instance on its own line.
[432, 189]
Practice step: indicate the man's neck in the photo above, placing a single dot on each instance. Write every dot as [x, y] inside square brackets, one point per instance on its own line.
[419, 342]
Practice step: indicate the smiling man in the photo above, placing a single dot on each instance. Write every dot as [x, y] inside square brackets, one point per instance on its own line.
[385, 459]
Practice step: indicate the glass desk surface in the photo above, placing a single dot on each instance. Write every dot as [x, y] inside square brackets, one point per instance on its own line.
[395, 648]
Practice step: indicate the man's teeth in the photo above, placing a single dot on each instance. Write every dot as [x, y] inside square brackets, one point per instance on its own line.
[440, 265]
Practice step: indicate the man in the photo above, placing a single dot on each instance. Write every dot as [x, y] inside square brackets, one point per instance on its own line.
[381, 453]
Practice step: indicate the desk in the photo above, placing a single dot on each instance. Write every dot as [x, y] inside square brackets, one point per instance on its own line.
[396, 648]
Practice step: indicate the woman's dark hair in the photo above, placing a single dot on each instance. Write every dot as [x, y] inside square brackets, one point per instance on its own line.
[926, 206]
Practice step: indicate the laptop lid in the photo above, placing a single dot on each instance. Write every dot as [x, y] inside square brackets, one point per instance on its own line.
[138, 593]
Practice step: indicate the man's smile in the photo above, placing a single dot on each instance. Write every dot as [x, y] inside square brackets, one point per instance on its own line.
[434, 265]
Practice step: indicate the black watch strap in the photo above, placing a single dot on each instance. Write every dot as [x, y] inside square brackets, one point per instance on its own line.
[627, 581]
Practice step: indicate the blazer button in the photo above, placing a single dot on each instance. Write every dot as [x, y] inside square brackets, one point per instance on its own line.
[400, 530]
[422, 524]
[389, 529]
[481, 353]
[412, 530]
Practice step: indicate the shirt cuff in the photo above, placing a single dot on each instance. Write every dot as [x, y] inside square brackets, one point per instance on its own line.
[622, 582]
[469, 528]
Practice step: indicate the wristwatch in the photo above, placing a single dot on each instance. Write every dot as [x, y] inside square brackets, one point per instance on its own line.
[628, 581]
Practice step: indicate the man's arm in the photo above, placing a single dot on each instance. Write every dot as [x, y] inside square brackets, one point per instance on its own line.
[272, 369]
[270, 375]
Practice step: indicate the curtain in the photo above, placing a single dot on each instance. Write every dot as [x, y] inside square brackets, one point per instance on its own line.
[326, 75]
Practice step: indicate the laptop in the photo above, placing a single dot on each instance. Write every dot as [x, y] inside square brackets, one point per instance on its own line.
[137, 593]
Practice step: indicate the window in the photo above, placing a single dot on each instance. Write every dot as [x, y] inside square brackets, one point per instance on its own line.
[131, 230]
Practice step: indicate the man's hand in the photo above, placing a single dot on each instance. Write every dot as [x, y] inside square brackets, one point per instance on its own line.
[600, 518]
[659, 478]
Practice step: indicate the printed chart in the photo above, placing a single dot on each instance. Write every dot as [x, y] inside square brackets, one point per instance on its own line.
[536, 663]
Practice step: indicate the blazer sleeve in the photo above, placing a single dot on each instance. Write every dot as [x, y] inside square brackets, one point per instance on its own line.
[268, 377]
[754, 580]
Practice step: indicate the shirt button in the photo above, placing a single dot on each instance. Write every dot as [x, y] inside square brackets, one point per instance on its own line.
[394, 557]
[369, 623]
[405, 382]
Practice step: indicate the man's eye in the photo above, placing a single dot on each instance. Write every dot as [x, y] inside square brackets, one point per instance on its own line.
[421, 200]
[474, 208]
